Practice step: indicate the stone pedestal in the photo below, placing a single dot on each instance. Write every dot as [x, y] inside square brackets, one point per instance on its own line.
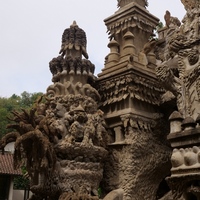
[82, 167]
[185, 159]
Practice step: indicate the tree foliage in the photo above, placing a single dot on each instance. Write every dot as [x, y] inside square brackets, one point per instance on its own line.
[7, 106]
[159, 26]
[22, 182]
[15, 102]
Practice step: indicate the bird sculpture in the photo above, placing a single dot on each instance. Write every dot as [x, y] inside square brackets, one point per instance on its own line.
[171, 21]
[149, 46]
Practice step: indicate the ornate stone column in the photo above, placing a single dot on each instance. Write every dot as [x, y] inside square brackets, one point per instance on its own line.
[130, 100]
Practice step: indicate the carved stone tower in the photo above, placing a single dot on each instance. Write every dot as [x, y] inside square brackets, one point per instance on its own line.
[130, 99]
[62, 140]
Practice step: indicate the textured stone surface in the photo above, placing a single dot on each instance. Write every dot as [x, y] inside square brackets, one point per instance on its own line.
[62, 139]
[178, 72]
[106, 138]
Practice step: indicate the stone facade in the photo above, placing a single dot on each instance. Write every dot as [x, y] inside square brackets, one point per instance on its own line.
[132, 133]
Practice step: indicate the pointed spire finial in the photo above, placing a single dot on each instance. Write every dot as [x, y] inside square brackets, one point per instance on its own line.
[74, 24]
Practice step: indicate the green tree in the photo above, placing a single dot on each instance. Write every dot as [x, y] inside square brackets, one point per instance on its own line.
[15, 102]
[27, 99]
[22, 182]
[159, 26]
[6, 106]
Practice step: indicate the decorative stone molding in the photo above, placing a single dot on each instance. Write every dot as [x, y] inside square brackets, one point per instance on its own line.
[130, 86]
[185, 159]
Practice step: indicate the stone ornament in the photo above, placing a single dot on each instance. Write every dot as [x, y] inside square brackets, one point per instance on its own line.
[74, 41]
[179, 70]
[171, 21]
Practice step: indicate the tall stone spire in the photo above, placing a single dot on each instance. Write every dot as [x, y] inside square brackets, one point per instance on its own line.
[70, 72]
[67, 128]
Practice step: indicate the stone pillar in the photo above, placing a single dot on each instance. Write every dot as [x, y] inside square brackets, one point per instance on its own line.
[175, 122]
[129, 47]
[113, 56]
[119, 136]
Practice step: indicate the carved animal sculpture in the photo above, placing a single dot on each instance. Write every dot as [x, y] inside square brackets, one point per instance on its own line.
[169, 20]
[149, 46]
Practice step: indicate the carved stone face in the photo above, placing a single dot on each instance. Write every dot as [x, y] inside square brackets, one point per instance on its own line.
[193, 57]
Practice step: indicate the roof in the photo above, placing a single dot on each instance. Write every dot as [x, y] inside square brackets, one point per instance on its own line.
[6, 165]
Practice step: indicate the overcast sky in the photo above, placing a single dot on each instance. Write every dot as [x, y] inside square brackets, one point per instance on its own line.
[31, 33]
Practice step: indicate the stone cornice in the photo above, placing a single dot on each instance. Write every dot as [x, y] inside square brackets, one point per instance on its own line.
[132, 84]
[131, 14]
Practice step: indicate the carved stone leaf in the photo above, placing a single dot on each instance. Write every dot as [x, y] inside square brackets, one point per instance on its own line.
[133, 123]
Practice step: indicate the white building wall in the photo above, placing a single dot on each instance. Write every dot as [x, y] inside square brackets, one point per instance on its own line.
[10, 195]
[10, 147]
[19, 194]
